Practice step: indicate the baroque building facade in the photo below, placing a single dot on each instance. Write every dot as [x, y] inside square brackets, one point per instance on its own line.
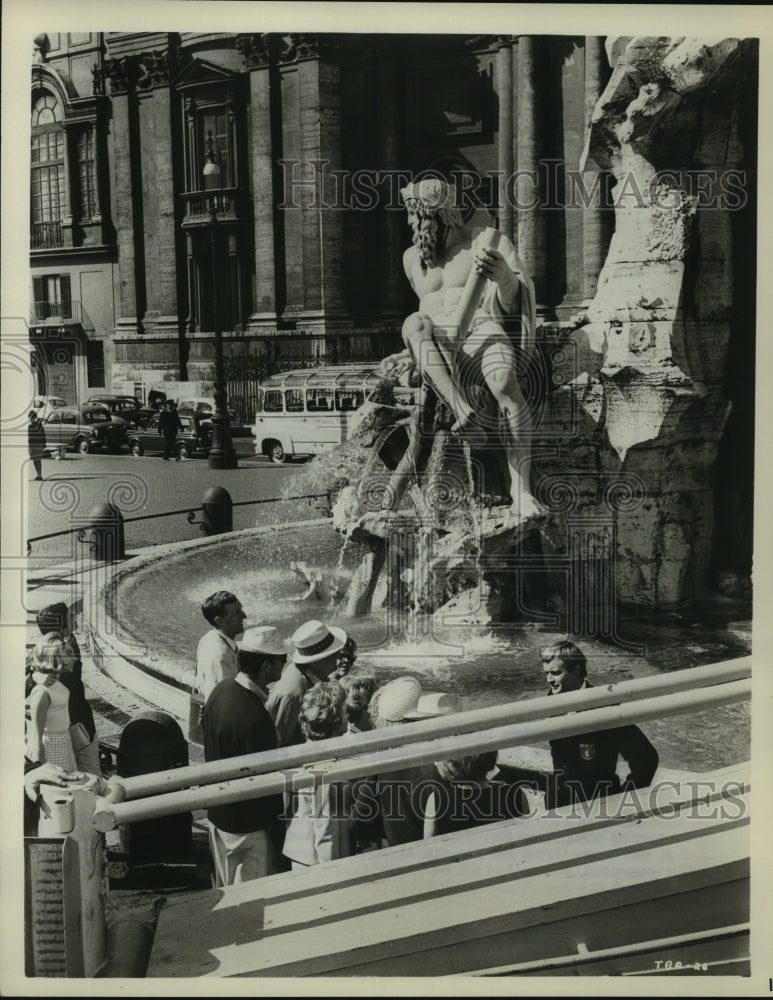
[188, 184]
[308, 138]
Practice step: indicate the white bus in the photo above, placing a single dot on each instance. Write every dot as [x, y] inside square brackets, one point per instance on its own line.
[310, 410]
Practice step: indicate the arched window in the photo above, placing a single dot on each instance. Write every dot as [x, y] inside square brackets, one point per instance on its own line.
[49, 183]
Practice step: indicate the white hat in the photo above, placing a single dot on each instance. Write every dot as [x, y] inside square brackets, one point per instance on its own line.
[263, 639]
[315, 641]
[433, 704]
[395, 700]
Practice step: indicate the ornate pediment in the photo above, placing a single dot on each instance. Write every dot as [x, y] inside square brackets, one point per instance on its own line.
[201, 72]
[53, 79]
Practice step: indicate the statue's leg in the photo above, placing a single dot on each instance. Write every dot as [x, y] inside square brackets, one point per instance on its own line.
[492, 348]
[435, 361]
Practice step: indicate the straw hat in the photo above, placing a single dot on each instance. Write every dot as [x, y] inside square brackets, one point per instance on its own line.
[395, 699]
[264, 640]
[315, 641]
[433, 704]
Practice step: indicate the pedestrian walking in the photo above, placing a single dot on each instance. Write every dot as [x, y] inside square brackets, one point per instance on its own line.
[168, 425]
[36, 439]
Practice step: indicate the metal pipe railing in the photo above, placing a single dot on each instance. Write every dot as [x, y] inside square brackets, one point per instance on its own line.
[707, 938]
[463, 722]
[174, 513]
[108, 815]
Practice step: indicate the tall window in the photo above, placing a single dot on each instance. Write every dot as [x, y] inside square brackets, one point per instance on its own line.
[95, 363]
[215, 122]
[49, 192]
[87, 182]
[51, 296]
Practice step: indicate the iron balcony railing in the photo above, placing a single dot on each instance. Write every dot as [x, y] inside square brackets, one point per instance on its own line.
[49, 313]
[46, 235]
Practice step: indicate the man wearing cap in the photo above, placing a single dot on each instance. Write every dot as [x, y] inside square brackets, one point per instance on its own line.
[320, 655]
[245, 837]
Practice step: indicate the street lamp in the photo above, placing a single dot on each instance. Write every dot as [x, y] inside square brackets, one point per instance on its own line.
[221, 452]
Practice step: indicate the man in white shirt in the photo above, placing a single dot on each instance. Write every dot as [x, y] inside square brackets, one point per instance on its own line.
[216, 656]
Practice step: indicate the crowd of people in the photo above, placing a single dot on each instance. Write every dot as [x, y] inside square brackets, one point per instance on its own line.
[255, 692]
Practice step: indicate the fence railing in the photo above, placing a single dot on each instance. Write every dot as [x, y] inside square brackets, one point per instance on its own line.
[323, 505]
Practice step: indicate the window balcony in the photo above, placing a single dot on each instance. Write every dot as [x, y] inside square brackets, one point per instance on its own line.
[66, 313]
[46, 236]
[230, 205]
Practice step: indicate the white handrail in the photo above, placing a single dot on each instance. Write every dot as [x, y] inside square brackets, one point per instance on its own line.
[451, 725]
[108, 815]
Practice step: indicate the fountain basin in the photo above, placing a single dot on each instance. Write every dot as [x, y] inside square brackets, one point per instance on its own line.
[145, 623]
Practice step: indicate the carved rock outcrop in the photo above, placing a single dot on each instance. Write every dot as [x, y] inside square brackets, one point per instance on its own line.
[643, 383]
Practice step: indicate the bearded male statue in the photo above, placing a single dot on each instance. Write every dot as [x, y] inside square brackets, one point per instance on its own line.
[471, 286]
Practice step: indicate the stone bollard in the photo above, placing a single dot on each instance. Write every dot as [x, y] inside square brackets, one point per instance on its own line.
[217, 511]
[107, 538]
[150, 742]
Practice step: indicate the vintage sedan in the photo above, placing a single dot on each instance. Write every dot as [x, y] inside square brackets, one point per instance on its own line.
[85, 428]
[43, 405]
[194, 438]
[128, 408]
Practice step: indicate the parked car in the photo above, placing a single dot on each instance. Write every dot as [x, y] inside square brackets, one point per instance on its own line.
[194, 438]
[203, 404]
[128, 408]
[43, 405]
[84, 428]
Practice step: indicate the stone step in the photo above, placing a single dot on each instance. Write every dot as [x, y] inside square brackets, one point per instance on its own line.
[518, 891]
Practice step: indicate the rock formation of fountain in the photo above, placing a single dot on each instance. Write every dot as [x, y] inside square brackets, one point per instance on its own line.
[625, 446]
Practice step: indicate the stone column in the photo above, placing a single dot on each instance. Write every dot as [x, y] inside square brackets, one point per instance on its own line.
[531, 189]
[597, 223]
[160, 227]
[322, 219]
[504, 82]
[257, 54]
[71, 209]
[123, 191]
[390, 280]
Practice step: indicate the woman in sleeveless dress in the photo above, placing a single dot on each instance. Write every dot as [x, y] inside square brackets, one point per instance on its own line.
[48, 738]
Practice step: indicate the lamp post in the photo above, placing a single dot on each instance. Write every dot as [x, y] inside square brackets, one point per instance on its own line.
[221, 453]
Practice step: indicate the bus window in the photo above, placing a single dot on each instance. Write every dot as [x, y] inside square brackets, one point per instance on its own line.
[349, 399]
[272, 401]
[319, 400]
[294, 400]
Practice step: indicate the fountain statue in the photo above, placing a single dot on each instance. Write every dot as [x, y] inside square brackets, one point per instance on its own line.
[448, 479]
